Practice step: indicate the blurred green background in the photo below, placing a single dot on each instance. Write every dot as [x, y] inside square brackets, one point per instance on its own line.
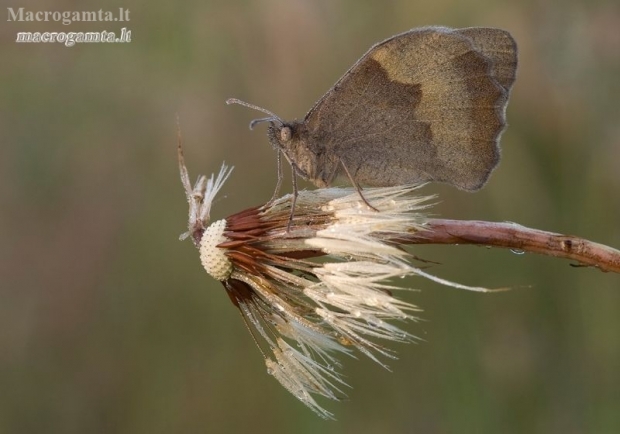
[108, 324]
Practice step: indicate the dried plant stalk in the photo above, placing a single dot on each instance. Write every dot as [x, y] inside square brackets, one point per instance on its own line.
[517, 237]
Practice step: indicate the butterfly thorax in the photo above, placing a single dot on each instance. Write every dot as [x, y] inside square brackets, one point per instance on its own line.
[307, 157]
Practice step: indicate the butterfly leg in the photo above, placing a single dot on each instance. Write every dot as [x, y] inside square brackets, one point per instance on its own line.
[293, 200]
[279, 182]
[357, 186]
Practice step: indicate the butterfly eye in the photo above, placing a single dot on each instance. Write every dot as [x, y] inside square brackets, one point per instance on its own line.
[285, 134]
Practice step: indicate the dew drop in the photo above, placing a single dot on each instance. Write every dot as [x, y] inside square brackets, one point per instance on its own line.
[375, 322]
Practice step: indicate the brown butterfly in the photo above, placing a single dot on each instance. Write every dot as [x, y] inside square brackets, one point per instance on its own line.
[425, 105]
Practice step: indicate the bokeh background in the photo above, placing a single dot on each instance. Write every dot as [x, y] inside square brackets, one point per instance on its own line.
[108, 324]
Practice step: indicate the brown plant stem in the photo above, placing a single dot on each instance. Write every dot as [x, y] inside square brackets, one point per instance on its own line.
[517, 237]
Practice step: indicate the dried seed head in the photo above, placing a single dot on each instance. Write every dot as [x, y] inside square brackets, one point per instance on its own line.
[317, 287]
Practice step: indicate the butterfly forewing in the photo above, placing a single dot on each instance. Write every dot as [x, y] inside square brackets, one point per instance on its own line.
[425, 105]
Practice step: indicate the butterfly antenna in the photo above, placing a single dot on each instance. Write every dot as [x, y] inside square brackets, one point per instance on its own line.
[272, 116]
